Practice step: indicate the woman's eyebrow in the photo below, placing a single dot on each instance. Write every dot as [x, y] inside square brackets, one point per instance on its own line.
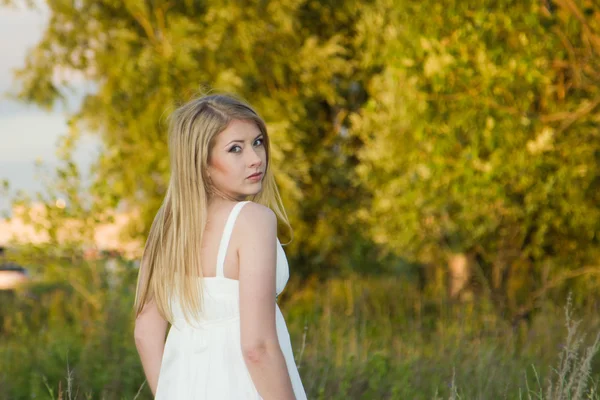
[241, 141]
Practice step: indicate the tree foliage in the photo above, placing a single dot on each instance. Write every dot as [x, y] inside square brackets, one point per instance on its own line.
[481, 136]
[293, 60]
[416, 129]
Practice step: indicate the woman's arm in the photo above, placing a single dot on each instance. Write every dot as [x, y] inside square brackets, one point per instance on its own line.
[150, 331]
[258, 256]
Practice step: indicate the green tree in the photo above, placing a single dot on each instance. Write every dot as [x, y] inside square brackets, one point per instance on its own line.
[481, 140]
[294, 60]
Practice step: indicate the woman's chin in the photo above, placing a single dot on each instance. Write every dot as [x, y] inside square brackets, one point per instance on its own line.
[249, 193]
[255, 191]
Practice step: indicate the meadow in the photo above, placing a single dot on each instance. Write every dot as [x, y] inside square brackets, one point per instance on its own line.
[357, 337]
[461, 136]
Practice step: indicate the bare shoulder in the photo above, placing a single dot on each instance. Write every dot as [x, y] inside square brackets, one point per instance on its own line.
[254, 216]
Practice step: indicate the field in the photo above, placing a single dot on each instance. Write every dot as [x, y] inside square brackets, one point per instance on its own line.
[354, 338]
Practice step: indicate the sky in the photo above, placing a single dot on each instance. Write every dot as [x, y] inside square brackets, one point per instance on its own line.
[29, 133]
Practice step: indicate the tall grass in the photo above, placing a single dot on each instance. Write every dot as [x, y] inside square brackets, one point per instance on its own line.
[70, 337]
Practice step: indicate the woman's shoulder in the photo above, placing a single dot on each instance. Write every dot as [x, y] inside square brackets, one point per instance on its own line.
[255, 212]
[257, 216]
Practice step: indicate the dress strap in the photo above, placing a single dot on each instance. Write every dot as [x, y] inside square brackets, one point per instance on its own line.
[227, 236]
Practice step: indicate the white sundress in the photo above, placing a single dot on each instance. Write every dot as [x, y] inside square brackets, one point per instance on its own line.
[204, 360]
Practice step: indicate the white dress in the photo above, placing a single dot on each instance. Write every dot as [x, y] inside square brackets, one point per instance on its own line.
[203, 360]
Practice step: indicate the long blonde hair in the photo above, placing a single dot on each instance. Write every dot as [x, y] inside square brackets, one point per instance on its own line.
[171, 258]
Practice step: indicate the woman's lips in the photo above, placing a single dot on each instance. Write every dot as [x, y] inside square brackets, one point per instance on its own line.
[255, 176]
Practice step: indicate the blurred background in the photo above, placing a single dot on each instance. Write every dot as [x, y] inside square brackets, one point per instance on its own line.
[439, 161]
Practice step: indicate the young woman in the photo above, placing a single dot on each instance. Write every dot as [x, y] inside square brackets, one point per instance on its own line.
[213, 266]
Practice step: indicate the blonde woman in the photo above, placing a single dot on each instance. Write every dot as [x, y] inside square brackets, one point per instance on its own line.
[213, 266]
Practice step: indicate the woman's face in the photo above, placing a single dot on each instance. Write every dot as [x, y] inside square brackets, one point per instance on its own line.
[237, 154]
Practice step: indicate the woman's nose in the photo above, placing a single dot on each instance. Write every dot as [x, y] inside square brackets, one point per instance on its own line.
[255, 159]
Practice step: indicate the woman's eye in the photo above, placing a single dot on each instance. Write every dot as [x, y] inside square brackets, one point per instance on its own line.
[238, 149]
